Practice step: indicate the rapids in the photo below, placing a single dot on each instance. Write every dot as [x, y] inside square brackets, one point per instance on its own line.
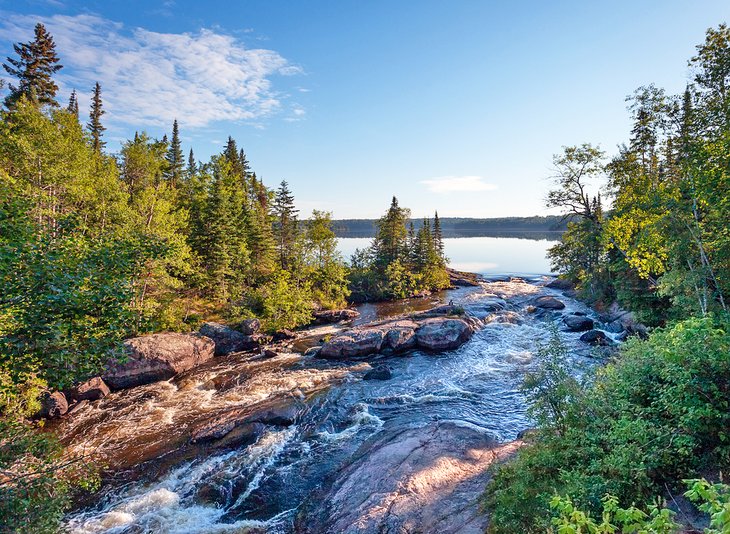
[156, 480]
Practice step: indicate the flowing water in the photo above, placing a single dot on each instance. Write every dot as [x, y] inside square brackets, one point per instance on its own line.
[158, 481]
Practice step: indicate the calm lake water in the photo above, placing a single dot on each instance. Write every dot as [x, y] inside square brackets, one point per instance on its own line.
[485, 255]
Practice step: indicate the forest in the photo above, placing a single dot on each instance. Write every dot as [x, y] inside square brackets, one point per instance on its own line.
[616, 451]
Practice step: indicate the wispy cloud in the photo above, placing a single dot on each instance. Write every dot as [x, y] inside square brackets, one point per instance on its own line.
[452, 184]
[151, 78]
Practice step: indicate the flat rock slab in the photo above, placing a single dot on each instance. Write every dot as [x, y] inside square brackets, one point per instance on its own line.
[426, 480]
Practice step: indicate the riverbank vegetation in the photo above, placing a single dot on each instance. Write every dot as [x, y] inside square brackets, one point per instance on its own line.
[400, 262]
[95, 248]
[657, 242]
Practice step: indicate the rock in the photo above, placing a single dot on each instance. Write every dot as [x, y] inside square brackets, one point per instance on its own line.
[530, 309]
[280, 411]
[380, 372]
[284, 335]
[577, 323]
[410, 480]
[547, 302]
[228, 340]
[595, 338]
[335, 316]
[506, 317]
[158, 357]
[638, 330]
[560, 284]
[249, 327]
[463, 279]
[443, 334]
[356, 342]
[53, 405]
[92, 389]
[400, 336]
[312, 351]
[78, 406]
[268, 353]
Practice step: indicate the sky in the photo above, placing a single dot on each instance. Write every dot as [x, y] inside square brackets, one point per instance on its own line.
[450, 106]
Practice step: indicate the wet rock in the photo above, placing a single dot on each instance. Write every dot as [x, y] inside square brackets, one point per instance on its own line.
[560, 284]
[335, 316]
[577, 323]
[284, 335]
[158, 357]
[595, 338]
[249, 327]
[443, 334]
[354, 343]
[530, 309]
[380, 372]
[268, 353]
[248, 421]
[312, 351]
[463, 279]
[400, 336]
[92, 389]
[507, 317]
[426, 479]
[228, 340]
[78, 406]
[53, 405]
[547, 302]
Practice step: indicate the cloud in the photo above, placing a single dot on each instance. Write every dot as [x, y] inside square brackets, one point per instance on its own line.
[453, 184]
[151, 78]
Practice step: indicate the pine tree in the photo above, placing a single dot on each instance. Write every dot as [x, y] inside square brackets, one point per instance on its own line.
[73, 104]
[286, 224]
[94, 124]
[192, 165]
[174, 158]
[36, 64]
[438, 240]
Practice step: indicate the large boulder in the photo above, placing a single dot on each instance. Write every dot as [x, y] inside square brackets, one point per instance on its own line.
[578, 323]
[443, 333]
[400, 336]
[335, 316]
[158, 357]
[53, 405]
[356, 342]
[92, 389]
[228, 340]
[379, 372]
[547, 302]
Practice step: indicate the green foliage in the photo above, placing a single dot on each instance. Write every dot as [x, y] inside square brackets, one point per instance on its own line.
[282, 302]
[658, 413]
[713, 499]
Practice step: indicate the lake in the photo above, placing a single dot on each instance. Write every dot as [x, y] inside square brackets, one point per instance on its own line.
[484, 255]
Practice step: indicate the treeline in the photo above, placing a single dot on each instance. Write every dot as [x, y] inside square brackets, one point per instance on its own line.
[464, 226]
[658, 412]
[98, 247]
[401, 261]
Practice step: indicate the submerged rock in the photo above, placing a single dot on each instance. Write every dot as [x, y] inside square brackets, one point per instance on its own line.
[427, 479]
[547, 302]
[595, 338]
[443, 334]
[380, 372]
[578, 323]
[158, 357]
[228, 340]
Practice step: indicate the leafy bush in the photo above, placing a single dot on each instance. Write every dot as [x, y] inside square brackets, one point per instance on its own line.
[659, 413]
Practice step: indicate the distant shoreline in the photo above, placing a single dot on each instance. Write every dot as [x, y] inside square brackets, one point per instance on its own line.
[550, 227]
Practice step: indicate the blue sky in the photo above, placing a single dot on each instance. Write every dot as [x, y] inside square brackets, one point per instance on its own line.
[452, 106]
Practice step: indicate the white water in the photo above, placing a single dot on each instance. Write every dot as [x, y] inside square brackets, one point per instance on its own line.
[261, 487]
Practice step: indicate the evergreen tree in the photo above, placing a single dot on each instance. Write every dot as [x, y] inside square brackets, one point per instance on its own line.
[73, 104]
[391, 240]
[438, 239]
[232, 155]
[286, 224]
[192, 165]
[34, 68]
[174, 157]
[96, 128]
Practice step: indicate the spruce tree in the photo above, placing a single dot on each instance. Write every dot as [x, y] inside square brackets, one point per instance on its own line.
[391, 241]
[438, 240]
[174, 158]
[34, 68]
[95, 127]
[192, 165]
[286, 224]
[73, 104]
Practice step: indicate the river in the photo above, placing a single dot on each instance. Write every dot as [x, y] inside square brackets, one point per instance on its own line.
[304, 475]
